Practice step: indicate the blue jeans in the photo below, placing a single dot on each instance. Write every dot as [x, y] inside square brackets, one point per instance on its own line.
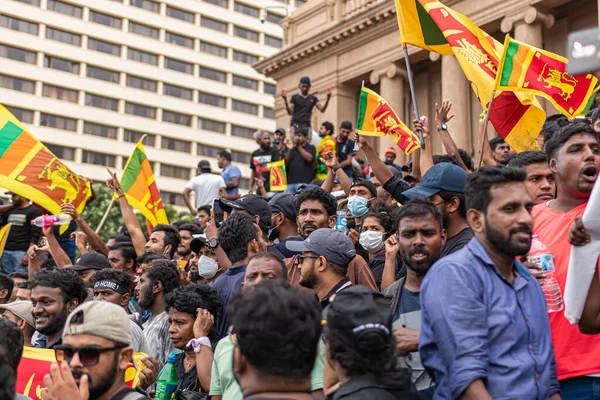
[293, 187]
[581, 388]
[11, 259]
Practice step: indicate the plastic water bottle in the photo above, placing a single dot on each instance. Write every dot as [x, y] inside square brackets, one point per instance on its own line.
[341, 224]
[539, 254]
[47, 220]
[166, 383]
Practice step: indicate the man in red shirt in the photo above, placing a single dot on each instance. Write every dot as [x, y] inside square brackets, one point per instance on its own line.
[574, 157]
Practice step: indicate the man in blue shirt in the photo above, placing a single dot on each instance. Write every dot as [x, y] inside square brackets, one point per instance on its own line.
[484, 329]
[231, 174]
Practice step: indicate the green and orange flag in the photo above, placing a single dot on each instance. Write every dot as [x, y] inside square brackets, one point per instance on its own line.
[140, 187]
[29, 169]
[376, 118]
[524, 68]
[278, 176]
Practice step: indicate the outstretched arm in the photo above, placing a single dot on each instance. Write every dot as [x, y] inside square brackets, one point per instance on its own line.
[322, 107]
[441, 117]
[94, 240]
[426, 159]
[60, 257]
[288, 107]
[379, 168]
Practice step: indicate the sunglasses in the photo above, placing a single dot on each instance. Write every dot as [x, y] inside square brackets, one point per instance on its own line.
[301, 258]
[88, 355]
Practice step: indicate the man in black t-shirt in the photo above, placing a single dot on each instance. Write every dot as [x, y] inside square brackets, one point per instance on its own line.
[345, 148]
[299, 162]
[259, 160]
[302, 104]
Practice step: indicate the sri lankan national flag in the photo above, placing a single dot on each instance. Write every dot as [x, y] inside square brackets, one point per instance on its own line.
[29, 169]
[278, 176]
[140, 187]
[528, 69]
[376, 118]
[516, 116]
[3, 236]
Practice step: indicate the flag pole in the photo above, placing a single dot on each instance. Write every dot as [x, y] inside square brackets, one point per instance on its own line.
[483, 133]
[412, 93]
[105, 216]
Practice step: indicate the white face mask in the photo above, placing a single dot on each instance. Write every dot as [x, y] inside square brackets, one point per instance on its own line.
[207, 267]
[371, 241]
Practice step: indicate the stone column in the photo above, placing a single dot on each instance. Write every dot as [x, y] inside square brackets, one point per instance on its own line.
[455, 88]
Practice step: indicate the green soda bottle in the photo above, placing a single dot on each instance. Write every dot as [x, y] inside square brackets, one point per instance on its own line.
[167, 381]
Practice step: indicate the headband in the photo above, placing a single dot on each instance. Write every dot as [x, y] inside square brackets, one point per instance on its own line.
[110, 285]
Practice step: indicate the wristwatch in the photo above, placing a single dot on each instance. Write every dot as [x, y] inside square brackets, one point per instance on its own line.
[442, 127]
[336, 167]
[212, 243]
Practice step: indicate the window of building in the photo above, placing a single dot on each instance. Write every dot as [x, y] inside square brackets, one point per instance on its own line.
[273, 41]
[244, 57]
[143, 30]
[269, 88]
[211, 99]
[102, 74]
[245, 33]
[21, 85]
[179, 40]
[210, 125]
[106, 131]
[220, 3]
[60, 93]
[104, 47]
[140, 110]
[176, 144]
[245, 9]
[180, 66]
[177, 91]
[91, 157]
[64, 153]
[64, 8]
[274, 18]
[58, 122]
[180, 14]
[35, 3]
[18, 25]
[212, 74]
[146, 5]
[134, 137]
[207, 151]
[173, 171]
[61, 64]
[94, 100]
[300, 2]
[213, 49]
[213, 24]
[242, 131]
[176, 118]
[244, 82]
[21, 114]
[63, 36]
[175, 199]
[242, 106]
[242, 158]
[268, 112]
[105, 19]
[142, 56]
[141, 83]
[17, 54]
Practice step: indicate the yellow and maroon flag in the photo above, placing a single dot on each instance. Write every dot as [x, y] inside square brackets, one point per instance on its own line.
[140, 187]
[3, 236]
[516, 116]
[278, 176]
[29, 169]
[376, 118]
[526, 68]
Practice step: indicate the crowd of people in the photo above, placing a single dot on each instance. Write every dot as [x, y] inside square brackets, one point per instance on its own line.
[364, 280]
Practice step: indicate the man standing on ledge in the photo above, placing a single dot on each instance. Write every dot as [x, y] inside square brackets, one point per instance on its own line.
[301, 106]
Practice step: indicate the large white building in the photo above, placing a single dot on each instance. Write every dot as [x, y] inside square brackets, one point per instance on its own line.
[90, 77]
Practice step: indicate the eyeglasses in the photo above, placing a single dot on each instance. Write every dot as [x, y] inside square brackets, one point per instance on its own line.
[302, 258]
[440, 203]
[88, 355]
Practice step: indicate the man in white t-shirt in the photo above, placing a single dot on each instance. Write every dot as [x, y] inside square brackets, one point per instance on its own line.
[206, 185]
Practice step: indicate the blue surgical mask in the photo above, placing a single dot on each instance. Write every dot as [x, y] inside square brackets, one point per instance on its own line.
[358, 206]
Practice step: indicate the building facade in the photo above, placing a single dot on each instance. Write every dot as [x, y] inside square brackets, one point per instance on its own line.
[90, 78]
[343, 43]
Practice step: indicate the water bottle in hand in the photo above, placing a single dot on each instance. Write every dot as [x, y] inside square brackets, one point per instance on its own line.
[47, 220]
[540, 255]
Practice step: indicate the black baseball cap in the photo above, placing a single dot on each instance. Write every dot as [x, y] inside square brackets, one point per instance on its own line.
[366, 183]
[355, 311]
[332, 244]
[204, 165]
[280, 130]
[197, 243]
[91, 260]
[252, 203]
[284, 203]
[442, 176]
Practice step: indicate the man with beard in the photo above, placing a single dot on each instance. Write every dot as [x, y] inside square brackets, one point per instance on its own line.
[88, 265]
[316, 209]
[574, 158]
[54, 295]
[501, 151]
[484, 326]
[283, 223]
[121, 255]
[259, 160]
[99, 333]
[540, 180]
[420, 239]
[164, 239]
[186, 233]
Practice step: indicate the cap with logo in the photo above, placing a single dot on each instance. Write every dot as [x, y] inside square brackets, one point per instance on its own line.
[22, 309]
[252, 203]
[442, 176]
[102, 319]
[91, 260]
[336, 247]
[284, 203]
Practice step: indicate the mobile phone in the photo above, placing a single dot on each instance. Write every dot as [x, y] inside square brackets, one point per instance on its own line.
[218, 211]
[582, 51]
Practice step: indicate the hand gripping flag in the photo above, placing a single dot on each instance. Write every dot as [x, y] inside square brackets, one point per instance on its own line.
[140, 187]
[376, 118]
[524, 68]
[29, 169]
[516, 117]
[278, 177]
